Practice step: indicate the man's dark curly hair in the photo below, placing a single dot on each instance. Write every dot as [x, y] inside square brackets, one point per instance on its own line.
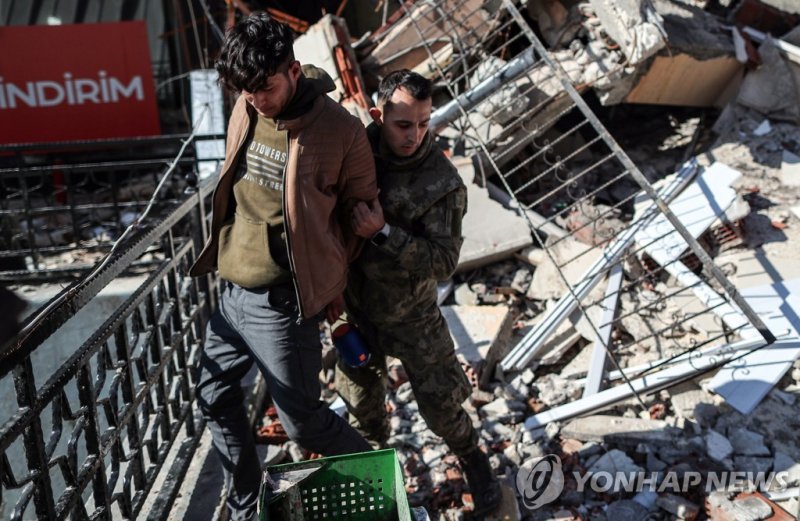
[415, 84]
[254, 49]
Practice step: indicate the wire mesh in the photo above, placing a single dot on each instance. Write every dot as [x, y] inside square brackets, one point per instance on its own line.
[515, 108]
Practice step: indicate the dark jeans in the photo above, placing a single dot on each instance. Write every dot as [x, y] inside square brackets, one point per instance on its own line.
[260, 326]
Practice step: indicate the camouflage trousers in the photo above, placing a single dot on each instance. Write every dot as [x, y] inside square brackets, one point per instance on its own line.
[436, 377]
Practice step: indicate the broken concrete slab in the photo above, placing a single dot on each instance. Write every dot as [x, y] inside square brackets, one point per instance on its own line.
[700, 69]
[790, 169]
[481, 333]
[616, 429]
[402, 47]
[686, 403]
[613, 462]
[633, 24]
[748, 443]
[568, 259]
[718, 447]
[721, 508]
[770, 90]
[491, 232]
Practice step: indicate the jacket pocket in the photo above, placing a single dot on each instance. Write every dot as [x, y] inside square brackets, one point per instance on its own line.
[244, 257]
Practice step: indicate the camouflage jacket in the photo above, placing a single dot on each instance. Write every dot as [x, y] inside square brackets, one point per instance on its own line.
[423, 200]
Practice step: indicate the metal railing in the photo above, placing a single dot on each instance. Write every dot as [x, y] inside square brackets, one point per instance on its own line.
[90, 440]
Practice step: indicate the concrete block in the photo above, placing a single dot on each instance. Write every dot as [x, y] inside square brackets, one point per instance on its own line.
[491, 231]
[685, 403]
[317, 46]
[680, 507]
[616, 429]
[613, 462]
[572, 258]
[745, 507]
[718, 447]
[748, 443]
[633, 24]
[481, 334]
[790, 169]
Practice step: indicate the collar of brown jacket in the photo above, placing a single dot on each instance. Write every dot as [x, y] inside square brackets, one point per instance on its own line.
[296, 124]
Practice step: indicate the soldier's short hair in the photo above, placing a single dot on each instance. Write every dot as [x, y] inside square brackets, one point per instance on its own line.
[254, 49]
[419, 87]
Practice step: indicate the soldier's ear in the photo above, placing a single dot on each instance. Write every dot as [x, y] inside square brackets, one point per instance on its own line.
[377, 115]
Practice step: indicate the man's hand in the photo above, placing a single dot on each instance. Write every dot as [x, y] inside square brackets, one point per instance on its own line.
[368, 219]
[334, 309]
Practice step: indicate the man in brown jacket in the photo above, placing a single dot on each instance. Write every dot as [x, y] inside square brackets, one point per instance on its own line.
[281, 237]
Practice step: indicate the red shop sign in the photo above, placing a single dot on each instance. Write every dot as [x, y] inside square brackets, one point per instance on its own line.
[72, 82]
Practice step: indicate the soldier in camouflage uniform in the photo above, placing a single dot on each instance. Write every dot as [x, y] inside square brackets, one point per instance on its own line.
[415, 238]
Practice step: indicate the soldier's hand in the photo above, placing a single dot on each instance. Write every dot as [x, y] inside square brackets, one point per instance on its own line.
[368, 219]
[334, 309]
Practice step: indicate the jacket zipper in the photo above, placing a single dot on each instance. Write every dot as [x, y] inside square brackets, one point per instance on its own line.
[300, 313]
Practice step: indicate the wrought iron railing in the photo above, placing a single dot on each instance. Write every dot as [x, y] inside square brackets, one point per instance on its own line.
[90, 440]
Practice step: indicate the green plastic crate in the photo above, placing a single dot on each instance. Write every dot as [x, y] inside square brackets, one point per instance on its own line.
[367, 486]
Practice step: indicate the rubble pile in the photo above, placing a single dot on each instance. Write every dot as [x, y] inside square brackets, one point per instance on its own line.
[700, 395]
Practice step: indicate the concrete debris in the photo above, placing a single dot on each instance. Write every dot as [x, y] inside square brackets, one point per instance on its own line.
[700, 69]
[491, 231]
[554, 390]
[718, 447]
[748, 508]
[763, 129]
[771, 90]
[753, 464]
[785, 463]
[612, 462]
[790, 169]
[747, 443]
[680, 507]
[481, 334]
[613, 429]
[400, 47]
[633, 24]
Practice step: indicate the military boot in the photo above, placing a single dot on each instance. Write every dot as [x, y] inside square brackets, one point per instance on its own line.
[486, 493]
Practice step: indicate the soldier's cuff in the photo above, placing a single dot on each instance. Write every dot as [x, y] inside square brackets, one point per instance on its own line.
[395, 242]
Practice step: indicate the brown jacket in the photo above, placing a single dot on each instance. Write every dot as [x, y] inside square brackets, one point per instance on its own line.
[329, 169]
